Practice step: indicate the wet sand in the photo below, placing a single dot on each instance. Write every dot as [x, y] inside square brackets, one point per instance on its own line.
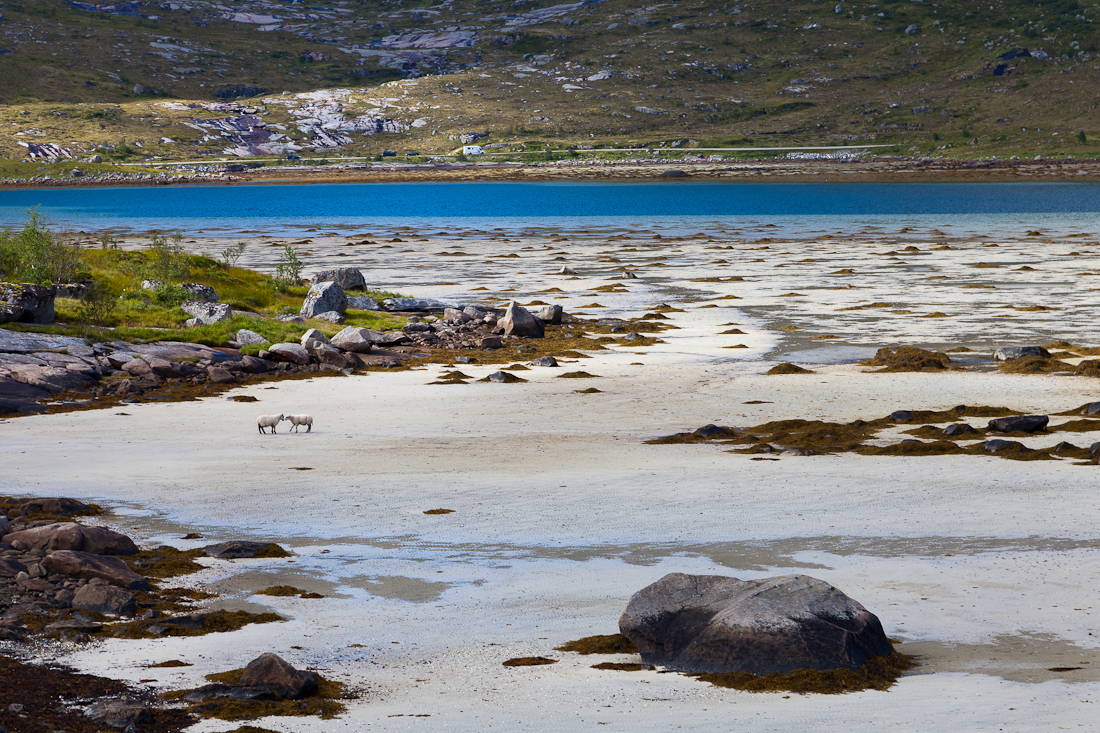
[982, 566]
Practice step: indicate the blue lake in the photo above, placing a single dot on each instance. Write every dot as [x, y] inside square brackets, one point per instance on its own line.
[796, 209]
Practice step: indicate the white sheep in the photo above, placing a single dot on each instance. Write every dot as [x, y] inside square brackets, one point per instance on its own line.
[297, 420]
[268, 421]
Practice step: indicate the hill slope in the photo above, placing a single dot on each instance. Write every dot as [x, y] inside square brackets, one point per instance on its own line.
[194, 78]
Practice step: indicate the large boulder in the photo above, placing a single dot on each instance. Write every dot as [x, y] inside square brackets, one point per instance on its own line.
[518, 321]
[313, 335]
[328, 355]
[294, 353]
[104, 599]
[1019, 423]
[246, 337]
[198, 291]
[5, 526]
[57, 505]
[128, 714]
[271, 669]
[322, 298]
[549, 314]
[51, 379]
[332, 317]
[72, 536]
[416, 304]
[10, 567]
[34, 302]
[205, 313]
[712, 623]
[235, 549]
[77, 564]
[356, 340]
[348, 278]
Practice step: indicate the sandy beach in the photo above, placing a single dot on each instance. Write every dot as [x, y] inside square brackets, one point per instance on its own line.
[984, 567]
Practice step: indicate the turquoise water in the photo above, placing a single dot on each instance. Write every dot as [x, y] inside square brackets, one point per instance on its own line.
[667, 207]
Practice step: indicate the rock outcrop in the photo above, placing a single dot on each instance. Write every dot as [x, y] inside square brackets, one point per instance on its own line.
[518, 321]
[322, 298]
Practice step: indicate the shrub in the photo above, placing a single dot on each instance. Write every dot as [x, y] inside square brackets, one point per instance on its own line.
[98, 305]
[37, 255]
[166, 262]
[289, 269]
[232, 253]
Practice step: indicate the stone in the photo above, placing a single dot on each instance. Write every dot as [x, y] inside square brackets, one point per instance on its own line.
[151, 285]
[256, 365]
[331, 317]
[517, 321]
[51, 379]
[567, 270]
[119, 713]
[385, 338]
[712, 623]
[490, 342]
[901, 416]
[996, 445]
[416, 304]
[322, 298]
[313, 334]
[245, 337]
[10, 313]
[363, 303]
[348, 278]
[104, 599]
[198, 291]
[294, 353]
[1006, 353]
[290, 318]
[77, 564]
[958, 429]
[328, 355]
[72, 536]
[77, 625]
[5, 526]
[271, 669]
[911, 29]
[356, 340]
[1092, 408]
[218, 375]
[234, 692]
[18, 342]
[238, 549]
[137, 367]
[207, 314]
[35, 302]
[549, 314]
[545, 361]
[709, 431]
[1019, 423]
[10, 567]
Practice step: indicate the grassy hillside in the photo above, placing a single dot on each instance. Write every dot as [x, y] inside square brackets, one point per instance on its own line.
[359, 78]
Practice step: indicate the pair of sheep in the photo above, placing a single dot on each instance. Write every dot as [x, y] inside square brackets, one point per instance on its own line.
[270, 421]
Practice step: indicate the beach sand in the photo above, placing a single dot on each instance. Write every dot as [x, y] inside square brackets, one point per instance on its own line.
[985, 568]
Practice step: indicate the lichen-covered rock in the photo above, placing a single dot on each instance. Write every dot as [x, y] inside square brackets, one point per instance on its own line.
[205, 313]
[348, 278]
[35, 302]
[245, 337]
[331, 317]
[711, 623]
[198, 291]
[363, 303]
[294, 353]
[416, 304]
[322, 298]
[271, 669]
[353, 339]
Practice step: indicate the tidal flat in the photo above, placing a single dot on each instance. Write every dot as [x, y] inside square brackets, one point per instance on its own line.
[983, 568]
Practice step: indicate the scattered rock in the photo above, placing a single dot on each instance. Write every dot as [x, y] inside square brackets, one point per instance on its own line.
[313, 335]
[1019, 423]
[104, 599]
[490, 342]
[119, 713]
[348, 278]
[416, 304]
[245, 337]
[502, 377]
[72, 536]
[322, 298]
[356, 340]
[550, 314]
[363, 303]
[1006, 353]
[517, 321]
[10, 567]
[235, 549]
[198, 291]
[710, 623]
[545, 361]
[27, 303]
[86, 565]
[330, 317]
[901, 416]
[996, 445]
[270, 669]
[294, 353]
[206, 313]
[958, 429]
[218, 375]
[1092, 408]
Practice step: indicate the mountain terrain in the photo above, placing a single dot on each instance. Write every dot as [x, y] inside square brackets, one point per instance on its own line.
[194, 80]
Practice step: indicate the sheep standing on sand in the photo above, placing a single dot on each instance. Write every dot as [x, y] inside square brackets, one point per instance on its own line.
[268, 421]
[297, 420]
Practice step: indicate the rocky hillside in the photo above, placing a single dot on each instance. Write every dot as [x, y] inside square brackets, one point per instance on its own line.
[131, 81]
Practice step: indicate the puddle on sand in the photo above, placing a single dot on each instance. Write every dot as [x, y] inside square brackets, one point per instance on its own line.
[256, 580]
[1015, 657]
[399, 587]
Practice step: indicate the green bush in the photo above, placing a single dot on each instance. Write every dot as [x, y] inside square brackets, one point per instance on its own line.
[37, 255]
[167, 261]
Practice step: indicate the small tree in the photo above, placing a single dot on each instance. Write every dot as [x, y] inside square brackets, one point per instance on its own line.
[97, 305]
[166, 262]
[232, 253]
[1081, 138]
[108, 242]
[289, 268]
[38, 256]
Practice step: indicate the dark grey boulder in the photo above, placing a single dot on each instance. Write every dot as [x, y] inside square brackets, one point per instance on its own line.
[234, 692]
[1005, 353]
[348, 278]
[237, 549]
[1092, 408]
[77, 564]
[958, 429]
[10, 567]
[271, 669]
[322, 298]
[104, 599]
[119, 713]
[72, 536]
[545, 361]
[490, 342]
[997, 445]
[549, 314]
[901, 415]
[1019, 423]
[709, 431]
[51, 379]
[198, 291]
[711, 623]
[363, 303]
[427, 305]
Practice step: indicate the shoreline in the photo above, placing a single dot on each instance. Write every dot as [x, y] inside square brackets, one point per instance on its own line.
[871, 170]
